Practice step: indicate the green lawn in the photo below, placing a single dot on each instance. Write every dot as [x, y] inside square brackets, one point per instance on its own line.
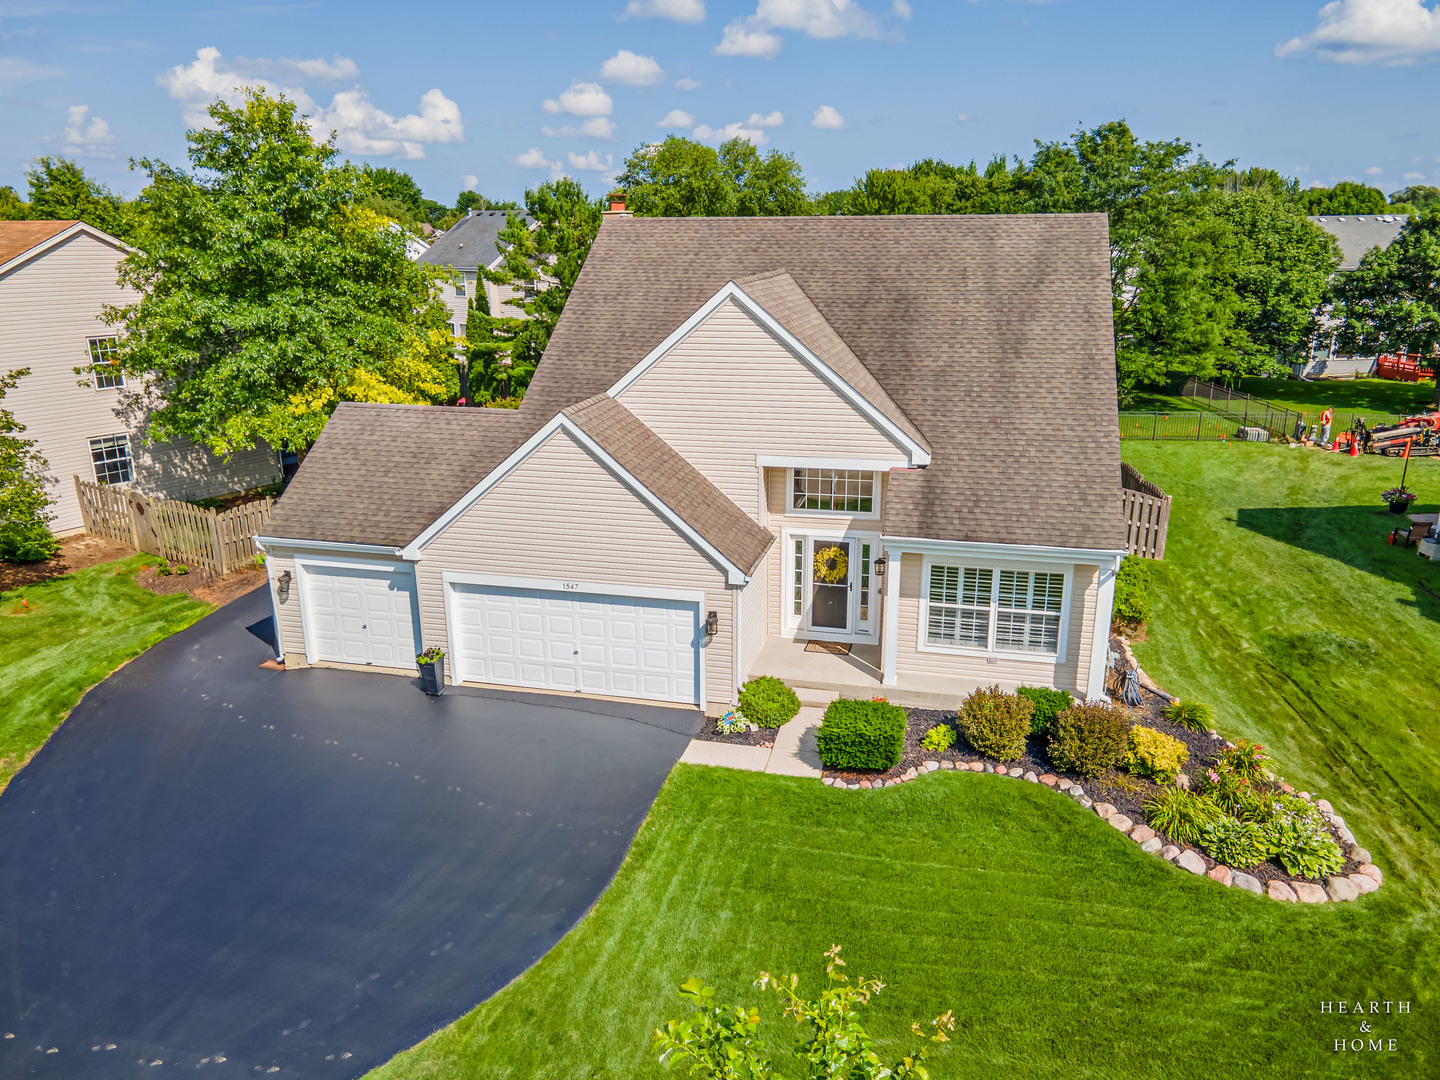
[1353, 395]
[75, 631]
[1064, 950]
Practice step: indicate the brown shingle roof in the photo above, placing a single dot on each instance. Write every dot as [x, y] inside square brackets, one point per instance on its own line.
[673, 480]
[381, 474]
[778, 293]
[18, 237]
[992, 334]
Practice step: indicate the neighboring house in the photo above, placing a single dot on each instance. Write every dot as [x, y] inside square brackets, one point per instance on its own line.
[896, 434]
[469, 247]
[1358, 235]
[55, 277]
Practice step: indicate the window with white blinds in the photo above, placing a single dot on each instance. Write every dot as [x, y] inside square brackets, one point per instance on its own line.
[995, 610]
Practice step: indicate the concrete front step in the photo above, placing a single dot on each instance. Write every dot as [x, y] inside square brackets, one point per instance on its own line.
[821, 695]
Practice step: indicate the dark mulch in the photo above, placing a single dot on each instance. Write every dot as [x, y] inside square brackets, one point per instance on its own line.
[76, 553]
[213, 590]
[759, 737]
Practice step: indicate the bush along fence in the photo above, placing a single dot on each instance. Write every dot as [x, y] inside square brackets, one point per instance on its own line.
[211, 542]
[1146, 510]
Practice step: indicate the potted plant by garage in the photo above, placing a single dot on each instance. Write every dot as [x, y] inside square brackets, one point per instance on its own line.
[1399, 499]
[432, 670]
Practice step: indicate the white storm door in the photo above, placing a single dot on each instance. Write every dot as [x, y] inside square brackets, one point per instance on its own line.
[593, 643]
[360, 616]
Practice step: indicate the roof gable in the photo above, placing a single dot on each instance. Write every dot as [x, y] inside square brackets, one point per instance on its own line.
[472, 242]
[21, 241]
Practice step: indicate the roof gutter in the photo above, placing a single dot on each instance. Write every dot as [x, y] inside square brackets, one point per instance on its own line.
[267, 542]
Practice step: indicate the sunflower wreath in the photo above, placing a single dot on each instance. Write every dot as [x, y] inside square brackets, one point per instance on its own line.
[831, 565]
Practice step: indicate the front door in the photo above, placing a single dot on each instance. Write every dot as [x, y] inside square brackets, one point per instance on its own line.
[830, 578]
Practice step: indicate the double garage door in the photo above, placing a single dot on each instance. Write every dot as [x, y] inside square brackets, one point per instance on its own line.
[618, 646]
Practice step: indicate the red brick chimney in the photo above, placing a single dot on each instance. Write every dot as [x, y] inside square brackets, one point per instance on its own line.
[616, 201]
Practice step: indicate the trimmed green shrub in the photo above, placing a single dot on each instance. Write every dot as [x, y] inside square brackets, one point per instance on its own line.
[1048, 705]
[1303, 844]
[1236, 843]
[1132, 590]
[859, 734]
[1195, 715]
[939, 738]
[1090, 738]
[996, 723]
[767, 702]
[1181, 815]
[1153, 753]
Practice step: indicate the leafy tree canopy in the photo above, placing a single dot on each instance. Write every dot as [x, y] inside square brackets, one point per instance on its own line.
[60, 191]
[12, 207]
[1346, 197]
[1419, 199]
[24, 504]
[684, 178]
[266, 295]
[1392, 301]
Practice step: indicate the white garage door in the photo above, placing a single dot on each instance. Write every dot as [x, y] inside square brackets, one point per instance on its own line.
[618, 646]
[361, 616]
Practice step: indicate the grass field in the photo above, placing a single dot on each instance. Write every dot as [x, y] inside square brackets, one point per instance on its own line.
[62, 636]
[1364, 396]
[1064, 951]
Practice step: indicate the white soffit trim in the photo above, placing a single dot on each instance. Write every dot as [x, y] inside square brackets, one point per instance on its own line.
[916, 453]
[734, 575]
[59, 238]
[780, 461]
[923, 545]
[339, 547]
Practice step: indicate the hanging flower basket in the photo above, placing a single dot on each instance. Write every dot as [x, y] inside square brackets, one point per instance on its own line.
[831, 565]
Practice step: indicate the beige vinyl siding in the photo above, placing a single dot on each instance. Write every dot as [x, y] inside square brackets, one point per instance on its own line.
[560, 515]
[1009, 672]
[730, 391]
[289, 626]
[755, 605]
[49, 310]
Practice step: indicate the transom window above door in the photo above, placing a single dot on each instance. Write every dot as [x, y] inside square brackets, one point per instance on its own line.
[843, 491]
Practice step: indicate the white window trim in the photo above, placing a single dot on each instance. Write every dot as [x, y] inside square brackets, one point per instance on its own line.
[94, 367]
[923, 643]
[792, 625]
[791, 510]
[129, 453]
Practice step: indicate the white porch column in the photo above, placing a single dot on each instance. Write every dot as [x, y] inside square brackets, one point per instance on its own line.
[890, 620]
[1100, 640]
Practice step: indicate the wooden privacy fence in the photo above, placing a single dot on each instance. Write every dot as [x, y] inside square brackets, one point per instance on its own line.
[211, 542]
[1146, 510]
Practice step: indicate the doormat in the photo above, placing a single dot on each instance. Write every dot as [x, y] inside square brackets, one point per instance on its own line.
[835, 648]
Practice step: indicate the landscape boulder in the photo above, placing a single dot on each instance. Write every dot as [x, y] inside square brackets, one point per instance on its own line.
[1278, 890]
[1248, 882]
[1191, 861]
[1308, 893]
[1341, 888]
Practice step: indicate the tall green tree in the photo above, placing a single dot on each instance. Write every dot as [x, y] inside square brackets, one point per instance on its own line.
[684, 178]
[24, 503]
[60, 191]
[541, 263]
[1416, 199]
[1346, 197]
[267, 296]
[12, 207]
[1392, 301]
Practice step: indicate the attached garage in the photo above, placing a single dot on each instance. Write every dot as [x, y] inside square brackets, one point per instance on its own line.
[359, 614]
[577, 638]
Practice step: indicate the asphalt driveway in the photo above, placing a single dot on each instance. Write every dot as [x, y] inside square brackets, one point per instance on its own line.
[301, 873]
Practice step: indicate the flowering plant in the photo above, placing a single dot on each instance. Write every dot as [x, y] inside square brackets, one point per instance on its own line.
[732, 723]
[432, 655]
[1400, 494]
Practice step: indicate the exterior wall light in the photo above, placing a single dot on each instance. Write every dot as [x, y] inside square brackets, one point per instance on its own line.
[712, 624]
[282, 586]
[880, 565]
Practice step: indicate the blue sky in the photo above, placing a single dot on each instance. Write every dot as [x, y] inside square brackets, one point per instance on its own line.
[499, 97]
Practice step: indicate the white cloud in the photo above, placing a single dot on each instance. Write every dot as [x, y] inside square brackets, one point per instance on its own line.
[86, 135]
[773, 119]
[627, 69]
[591, 162]
[739, 41]
[1389, 32]
[687, 83]
[828, 118]
[901, 9]
[597, 127]
[685, 11]
[582, 99]
[535, 159]
[737, 130]
[360, 127]
[964, 118]
[1414, 176]
[676, 118]
[1374, 170]
[16, 69]
[471, 182]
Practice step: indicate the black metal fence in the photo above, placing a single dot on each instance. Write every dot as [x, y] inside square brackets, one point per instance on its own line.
[1198, 426]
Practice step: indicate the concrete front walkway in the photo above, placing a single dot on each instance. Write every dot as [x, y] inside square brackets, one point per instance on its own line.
[795, 752]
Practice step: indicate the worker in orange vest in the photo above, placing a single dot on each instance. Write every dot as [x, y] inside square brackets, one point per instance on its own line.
[1325, 418]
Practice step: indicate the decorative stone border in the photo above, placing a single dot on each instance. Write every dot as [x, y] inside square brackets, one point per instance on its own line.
[1339, 888]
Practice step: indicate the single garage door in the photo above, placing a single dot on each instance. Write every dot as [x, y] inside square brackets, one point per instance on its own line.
[358, 616]
[619, 646]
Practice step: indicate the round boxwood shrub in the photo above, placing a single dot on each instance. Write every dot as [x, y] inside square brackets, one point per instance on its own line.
[1090, 738]
[1153, 753]
[939, 738]
[767, 702]
[996, 723]
[1048, 705]
[859, 734]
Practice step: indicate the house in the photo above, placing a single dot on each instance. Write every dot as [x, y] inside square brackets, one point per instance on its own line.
[1357, 235]
[55, 278]
[892, 438]
[469, 247]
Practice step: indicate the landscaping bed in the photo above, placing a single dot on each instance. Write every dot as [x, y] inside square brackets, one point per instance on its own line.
[759, 737]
